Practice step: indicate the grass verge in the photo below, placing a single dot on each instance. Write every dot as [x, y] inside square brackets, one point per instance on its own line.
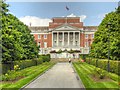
[30, 73]
[84, 70]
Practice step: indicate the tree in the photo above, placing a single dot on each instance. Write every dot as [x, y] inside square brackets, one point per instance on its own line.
[17, 42]
[100, 44]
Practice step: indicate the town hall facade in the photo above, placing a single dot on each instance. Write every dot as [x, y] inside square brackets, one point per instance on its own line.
[65, 37]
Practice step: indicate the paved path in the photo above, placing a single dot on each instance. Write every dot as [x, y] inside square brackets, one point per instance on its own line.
[60, 75]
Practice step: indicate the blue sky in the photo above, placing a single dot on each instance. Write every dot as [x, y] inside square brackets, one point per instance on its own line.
[93, 12]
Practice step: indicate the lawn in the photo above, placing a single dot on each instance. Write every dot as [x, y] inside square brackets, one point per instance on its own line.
[84, 71]
[30, 74]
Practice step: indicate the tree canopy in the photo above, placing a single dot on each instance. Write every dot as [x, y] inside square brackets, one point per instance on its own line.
[105, 33]
[17, 42]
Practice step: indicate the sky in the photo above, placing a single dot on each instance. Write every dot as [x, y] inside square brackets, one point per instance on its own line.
[41, 13]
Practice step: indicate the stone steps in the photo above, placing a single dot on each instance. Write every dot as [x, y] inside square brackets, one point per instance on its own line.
[64, 59]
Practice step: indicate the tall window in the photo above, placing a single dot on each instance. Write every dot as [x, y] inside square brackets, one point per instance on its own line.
[92, 35]
[45, 36]
[39, 36]
[45, 44]
[86, 35]
[39, 44]
[86, 44]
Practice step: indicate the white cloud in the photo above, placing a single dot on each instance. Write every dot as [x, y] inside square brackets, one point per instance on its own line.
[82, 17]
[71, 15]
[101, 16]
[35, 21]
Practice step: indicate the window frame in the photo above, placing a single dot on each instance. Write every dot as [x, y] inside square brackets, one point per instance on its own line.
[86, 36]
[45, 35]
[39, 36]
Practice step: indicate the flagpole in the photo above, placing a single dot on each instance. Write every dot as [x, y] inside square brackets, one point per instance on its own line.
[66, 15]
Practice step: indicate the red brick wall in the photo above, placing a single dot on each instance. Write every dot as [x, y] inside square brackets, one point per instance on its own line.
[72, 21]
[42, 40]
[82, 39]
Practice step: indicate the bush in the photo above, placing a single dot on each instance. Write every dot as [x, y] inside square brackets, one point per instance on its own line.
[46, 58]
[12, 75]
[39, 61]
[83, 56]
[102, 63]
[99, 73]
[26, 63]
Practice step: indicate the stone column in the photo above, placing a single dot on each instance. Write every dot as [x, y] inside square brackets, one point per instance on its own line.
[63, 39]
[52, 39]
[57, 38]
[68, 38]
[73, 38]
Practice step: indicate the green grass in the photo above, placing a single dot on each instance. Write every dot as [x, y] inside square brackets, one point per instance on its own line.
[84, 70]
[30, 73]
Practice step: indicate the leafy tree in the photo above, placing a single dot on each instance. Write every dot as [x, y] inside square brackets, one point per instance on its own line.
[17, 42]
[100, 44]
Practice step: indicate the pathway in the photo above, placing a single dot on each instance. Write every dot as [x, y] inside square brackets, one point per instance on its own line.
[60, 75]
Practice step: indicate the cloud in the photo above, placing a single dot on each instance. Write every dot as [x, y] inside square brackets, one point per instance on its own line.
[35, 21]
[71, 15]
[101, 16]
[82, 17]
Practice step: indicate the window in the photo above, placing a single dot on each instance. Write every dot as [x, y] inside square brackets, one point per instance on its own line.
[86, 44]
[39, 44]
[92, 35]
[86, 35]
[45, 36]
[45, 44]
[39, 36]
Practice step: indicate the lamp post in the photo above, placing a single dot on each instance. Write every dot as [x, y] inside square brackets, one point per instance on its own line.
[89, 49]
[108, 64]
[97, 59]
[83, 45]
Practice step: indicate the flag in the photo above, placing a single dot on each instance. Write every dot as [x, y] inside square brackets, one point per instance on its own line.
[67, 8]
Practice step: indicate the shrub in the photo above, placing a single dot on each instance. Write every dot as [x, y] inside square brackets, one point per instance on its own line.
[46, 58]
[25, 63]
[12, 75]
[102, 63]
[99, 72]
[39, 61]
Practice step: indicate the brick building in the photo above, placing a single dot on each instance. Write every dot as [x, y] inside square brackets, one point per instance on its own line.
[64, 37]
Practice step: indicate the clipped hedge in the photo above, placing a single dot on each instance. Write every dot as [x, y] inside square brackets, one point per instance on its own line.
[46, 58]
[83, 56]
[102, 63]
[26, 63]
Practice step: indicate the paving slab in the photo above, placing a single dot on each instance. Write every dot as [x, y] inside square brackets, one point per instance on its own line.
[61, 75]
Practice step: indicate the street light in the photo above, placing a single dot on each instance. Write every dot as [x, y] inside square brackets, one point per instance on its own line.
[97, 58]
[89, 49]
[108, 64]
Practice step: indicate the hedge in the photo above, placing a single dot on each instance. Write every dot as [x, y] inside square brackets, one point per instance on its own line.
[102, 63]
[26, 63]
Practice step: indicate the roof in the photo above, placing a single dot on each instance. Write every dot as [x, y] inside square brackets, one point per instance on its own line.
[90, 27]
[39, 29]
